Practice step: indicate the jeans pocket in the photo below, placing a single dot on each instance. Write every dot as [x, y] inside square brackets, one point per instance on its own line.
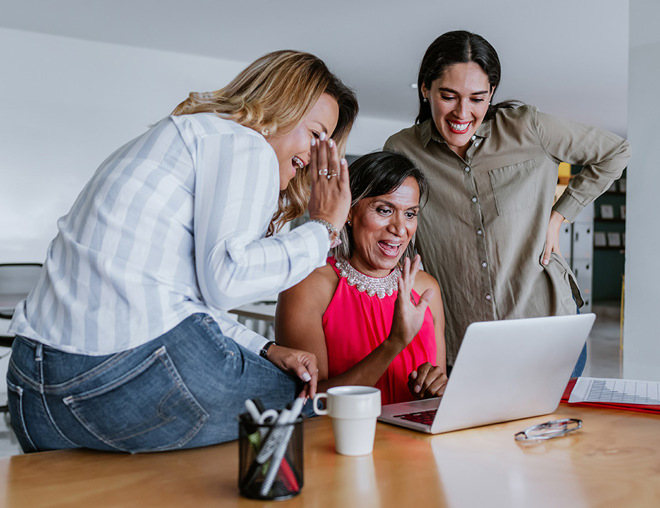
[148, 408]
[15, 404]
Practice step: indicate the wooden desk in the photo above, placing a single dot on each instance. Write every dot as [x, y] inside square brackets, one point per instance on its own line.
[614, 461]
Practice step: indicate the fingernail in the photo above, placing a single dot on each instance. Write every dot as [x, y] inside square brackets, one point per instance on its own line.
[417, 388]
[313, 142]
[545, 262]
[322, 136]
[331, 143]
[306, 377]
[344, 161]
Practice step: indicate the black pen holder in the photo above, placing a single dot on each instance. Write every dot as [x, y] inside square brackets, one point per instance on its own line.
[270, 459]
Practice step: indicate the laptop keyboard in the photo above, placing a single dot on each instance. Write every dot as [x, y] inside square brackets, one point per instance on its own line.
[423, 417]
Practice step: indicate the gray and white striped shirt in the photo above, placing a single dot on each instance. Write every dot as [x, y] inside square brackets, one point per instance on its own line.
[171, 224]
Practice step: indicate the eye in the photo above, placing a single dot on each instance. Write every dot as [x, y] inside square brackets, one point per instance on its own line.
[448, 97]
[411, 214]
[477, 99]
[383, 210]
[316, 134]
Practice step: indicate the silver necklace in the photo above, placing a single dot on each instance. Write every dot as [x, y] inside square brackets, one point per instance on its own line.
[380, 286]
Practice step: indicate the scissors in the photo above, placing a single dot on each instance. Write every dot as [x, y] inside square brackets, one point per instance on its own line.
[269, 416]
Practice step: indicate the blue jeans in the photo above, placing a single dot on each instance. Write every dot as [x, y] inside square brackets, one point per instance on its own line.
[582, 360]
[581, 363]
[181, 390]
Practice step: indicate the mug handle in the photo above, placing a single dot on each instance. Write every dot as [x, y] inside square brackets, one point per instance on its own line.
[318, 410]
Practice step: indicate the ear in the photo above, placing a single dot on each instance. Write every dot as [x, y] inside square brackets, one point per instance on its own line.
[425, 91]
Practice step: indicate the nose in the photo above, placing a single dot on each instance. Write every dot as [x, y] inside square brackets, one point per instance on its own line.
[462, 108]
[397, 225]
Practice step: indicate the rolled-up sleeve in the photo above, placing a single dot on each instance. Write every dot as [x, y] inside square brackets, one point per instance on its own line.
[602, 155]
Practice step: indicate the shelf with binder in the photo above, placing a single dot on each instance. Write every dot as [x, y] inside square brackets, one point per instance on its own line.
[610, 241]
[598, 266]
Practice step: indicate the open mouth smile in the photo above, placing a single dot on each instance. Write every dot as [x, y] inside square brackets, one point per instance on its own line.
[390, 249]
[458, 128]
[297, 163]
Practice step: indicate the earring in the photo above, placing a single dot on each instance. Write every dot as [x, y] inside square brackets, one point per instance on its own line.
[265, 131]
[425, 100]
[348, 223]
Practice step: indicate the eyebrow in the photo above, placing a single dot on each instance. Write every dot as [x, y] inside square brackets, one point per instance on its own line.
[481, 92]
[392, 205]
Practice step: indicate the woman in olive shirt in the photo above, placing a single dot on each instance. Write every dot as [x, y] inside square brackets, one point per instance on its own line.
[490, 232]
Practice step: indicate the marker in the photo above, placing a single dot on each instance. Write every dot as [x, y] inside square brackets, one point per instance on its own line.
[287, 417]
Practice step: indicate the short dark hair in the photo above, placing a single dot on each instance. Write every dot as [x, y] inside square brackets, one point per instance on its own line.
[377, 174]
[455, 47]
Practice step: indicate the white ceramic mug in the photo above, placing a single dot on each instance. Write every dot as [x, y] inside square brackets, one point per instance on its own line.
[354, 410]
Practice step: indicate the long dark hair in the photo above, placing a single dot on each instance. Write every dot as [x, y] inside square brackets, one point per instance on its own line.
[455, 47]
[377, 174]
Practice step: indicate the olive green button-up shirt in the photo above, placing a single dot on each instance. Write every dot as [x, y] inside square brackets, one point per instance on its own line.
[482, 232]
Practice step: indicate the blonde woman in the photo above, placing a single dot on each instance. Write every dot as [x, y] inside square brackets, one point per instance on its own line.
[123, 345]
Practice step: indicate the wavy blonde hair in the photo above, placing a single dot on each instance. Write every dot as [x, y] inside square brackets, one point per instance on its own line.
[272, 95]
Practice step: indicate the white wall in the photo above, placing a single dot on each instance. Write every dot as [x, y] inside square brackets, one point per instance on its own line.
[68, 103]
[641, 353]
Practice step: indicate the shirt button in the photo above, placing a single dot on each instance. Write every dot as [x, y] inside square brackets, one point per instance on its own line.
[474, 137]
[480, 232]
[467, 169]
[474, 199]
[484, 264]
[488, 297]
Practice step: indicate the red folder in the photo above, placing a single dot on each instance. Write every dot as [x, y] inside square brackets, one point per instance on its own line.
[642, 408]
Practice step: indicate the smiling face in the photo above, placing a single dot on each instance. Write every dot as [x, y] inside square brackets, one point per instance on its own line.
[383, 227]
[292, 147]
[459, 101]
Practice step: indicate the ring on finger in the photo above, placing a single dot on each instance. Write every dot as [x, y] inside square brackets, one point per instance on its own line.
[323, 172]
[332, 174]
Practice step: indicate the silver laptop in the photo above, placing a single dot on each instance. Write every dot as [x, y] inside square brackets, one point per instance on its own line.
[505, 370]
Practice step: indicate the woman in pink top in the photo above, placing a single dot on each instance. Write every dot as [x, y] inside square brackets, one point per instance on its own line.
[362, 314]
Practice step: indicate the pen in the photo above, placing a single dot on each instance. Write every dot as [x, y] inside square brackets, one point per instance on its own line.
[287, 417]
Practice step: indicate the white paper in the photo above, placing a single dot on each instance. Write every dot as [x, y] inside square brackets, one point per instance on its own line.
[615, 391]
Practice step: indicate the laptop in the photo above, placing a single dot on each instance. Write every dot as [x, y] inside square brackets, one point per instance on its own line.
[505, 370]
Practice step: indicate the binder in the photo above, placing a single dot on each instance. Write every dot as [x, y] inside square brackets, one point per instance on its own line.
[642, 408]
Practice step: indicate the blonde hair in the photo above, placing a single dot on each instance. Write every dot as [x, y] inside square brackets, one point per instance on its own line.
[272, 95]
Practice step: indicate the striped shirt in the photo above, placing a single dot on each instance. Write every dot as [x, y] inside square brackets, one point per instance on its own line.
[171, 224]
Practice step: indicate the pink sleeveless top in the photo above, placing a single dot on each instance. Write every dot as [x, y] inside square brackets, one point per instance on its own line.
[356, 323]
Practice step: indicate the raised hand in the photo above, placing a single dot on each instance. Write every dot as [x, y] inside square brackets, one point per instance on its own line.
[331, 194]
[408, 315]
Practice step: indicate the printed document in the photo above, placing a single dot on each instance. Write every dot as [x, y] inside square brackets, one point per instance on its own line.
[616, 391]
